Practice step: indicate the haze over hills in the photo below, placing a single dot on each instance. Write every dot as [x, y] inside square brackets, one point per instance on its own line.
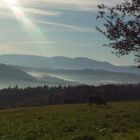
[92, 77]
[12, 76]
[28, 70]
[64, 63]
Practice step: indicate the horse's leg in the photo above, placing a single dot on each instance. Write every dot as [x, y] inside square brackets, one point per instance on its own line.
[90, 104]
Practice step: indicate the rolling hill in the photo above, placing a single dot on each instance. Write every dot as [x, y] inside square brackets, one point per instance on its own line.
[12, 76]
[54, 71]
[64, 63]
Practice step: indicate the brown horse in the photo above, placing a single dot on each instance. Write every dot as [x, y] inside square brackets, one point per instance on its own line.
[96, 100]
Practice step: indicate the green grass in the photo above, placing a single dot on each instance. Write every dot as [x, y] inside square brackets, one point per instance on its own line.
[117, 121]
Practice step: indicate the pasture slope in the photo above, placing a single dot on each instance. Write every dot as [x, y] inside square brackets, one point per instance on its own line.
[116, 121]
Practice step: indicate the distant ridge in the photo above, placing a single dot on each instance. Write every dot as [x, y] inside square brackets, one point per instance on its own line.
[34, 70]
[64, 63]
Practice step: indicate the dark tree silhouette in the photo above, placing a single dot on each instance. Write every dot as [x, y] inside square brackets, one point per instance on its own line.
[37, 96]
[121, 25]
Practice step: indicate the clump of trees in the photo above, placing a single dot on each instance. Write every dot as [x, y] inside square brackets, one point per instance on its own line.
[121, 26]
[18, 97]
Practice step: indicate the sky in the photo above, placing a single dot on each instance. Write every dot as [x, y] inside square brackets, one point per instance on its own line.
[55, 28]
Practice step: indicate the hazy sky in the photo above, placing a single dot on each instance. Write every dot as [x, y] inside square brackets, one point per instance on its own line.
[54, 28]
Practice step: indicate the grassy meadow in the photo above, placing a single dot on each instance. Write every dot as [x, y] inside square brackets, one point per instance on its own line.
[116, 121]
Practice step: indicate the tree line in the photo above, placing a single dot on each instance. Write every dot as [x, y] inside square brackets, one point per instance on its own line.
[44, 95]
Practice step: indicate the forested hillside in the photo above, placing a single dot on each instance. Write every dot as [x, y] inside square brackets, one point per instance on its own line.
[16, 97]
